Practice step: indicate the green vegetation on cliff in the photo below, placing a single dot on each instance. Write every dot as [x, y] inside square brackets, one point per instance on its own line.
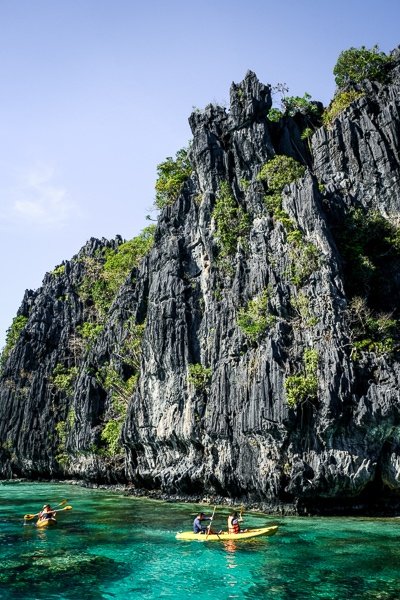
[120, 384]
[357, 64]
[232, 224]
[354, 66]
[303, 387]
[105, 273]
[199, 376]
[339, 103]
[171, 175]
[63, 378]
[12, 337]
[367, 241]
[370, 246]
[280, 171]
[254, 319]
[292, 105]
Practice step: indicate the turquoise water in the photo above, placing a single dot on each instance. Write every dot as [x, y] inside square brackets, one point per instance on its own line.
[115, 547]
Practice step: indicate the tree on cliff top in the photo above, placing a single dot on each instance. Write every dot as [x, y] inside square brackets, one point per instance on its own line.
[356, 64]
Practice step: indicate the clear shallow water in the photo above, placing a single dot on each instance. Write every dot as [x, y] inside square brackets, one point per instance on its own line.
[114, 547]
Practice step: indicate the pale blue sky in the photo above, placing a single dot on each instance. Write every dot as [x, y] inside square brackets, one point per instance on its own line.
[95, 93]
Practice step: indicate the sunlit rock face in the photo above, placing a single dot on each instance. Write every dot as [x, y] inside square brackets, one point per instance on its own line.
[233, 431]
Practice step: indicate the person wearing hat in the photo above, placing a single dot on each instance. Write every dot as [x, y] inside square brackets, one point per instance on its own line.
[47, 512]
[197, 526]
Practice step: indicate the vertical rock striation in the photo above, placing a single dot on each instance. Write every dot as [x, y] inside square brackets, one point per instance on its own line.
[230, 431]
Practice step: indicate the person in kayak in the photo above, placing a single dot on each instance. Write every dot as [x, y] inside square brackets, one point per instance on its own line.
[47, 513]
[233, 523]
[197, 526]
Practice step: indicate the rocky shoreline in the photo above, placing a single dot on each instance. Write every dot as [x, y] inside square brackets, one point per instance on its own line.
[379, 509]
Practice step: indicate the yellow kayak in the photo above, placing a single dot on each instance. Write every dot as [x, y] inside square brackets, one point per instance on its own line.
[221, 537]
[46, 522]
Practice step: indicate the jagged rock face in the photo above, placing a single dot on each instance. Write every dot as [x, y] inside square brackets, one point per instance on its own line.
[236, 434]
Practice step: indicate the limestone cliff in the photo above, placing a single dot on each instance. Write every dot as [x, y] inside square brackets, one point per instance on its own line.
[302, 410]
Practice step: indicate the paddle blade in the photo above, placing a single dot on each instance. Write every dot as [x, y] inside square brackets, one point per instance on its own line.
[69, 507]
[28, 517]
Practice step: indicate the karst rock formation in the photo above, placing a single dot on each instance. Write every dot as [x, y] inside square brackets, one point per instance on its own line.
[209, 414]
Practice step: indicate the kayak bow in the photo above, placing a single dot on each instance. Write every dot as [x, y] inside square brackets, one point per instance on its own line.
[213, 537]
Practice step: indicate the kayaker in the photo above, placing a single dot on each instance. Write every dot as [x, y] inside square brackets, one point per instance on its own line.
[233, 522]
[47, 513]
[197, 526]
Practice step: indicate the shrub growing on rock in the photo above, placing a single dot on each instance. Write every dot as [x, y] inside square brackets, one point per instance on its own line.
[303, 387]
[356, 64]
[232, 223]
[171, 175]
[280, 171]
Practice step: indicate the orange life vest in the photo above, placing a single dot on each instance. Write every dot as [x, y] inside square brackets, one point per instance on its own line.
[233, 527]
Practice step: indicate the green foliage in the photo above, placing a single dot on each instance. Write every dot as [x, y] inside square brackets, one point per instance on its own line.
[111, 435]
[120, 263]
[370, 332]
[171, 175]
[254, 319]
[306, 111]
[232, 223]
[299, 104]
[12, 336]
[386, 346]
[61, 453]
[60, 270]
[368, 242]
[304, 256]
[71, 416]
[279, 172]
[61, 428]
[273, 203]
[292, 105]
[340, 102]
[63, 378]
[199, 376]
[303, 387]
[304, 260]
[356, 64]
[61, 431]
[274, 115]
[301, 306]
[307, 133]
[89, 331]
[121, 388]
[131, 348]
[244, 184]
[121, 391]
[104, 274]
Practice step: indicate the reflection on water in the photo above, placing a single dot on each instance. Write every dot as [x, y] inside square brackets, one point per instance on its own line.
[230, 546]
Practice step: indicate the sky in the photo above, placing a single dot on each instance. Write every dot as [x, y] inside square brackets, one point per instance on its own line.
[96, 93]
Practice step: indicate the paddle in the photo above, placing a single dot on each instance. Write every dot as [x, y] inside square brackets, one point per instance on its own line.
[241, 512]
[29, 517]
[241, 516]
[209, 527]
